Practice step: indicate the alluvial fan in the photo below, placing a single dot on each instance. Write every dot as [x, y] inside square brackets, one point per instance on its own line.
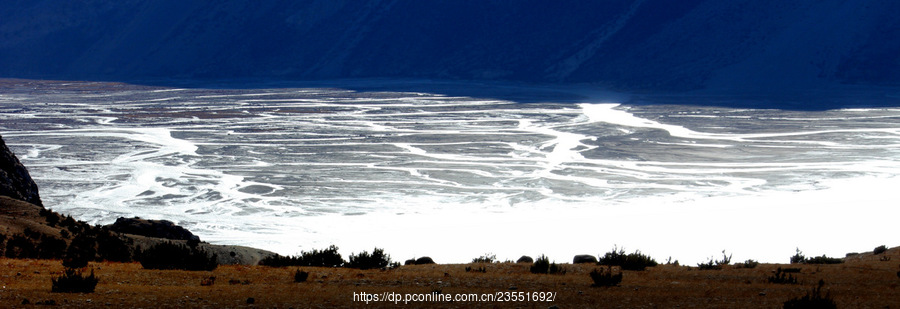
[290, 169]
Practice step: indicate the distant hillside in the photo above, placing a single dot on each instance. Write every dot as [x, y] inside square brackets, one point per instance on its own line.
[636, 45]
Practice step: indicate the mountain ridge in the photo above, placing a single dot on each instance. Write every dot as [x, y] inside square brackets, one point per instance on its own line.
[648, 45]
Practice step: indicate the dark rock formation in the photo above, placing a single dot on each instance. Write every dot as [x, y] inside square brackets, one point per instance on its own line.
[525, 259]
[424, 260]
[152, 228]
[15, 181]
[584, 258]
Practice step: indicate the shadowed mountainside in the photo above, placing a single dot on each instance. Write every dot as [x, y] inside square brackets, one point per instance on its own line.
[741, 46]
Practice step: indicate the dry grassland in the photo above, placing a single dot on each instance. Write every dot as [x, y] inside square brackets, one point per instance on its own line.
[860, 283]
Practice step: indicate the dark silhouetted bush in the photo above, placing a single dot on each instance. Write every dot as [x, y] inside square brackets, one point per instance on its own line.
[525, 259]
[632, 261]
[880, 249]
[824, 260]
[175, 256]
[73, 281]
[316, 258]
[798, 257]
[603, 278]
[813, 299]
[543, 266]
[364, 260]
[300, 276]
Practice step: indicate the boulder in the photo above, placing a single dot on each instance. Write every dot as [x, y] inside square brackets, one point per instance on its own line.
[424, 260]
[525, 259]
[584, 258]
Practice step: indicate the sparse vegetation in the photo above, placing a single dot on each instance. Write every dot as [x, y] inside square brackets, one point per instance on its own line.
[716, 264]
[603, 278]
[782, 277]
[73, 281]
[631, 261]
[747, 264]
[485, 258]
[168, 255]
[812, 299]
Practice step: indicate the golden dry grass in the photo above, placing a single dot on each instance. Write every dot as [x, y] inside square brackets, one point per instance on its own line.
[860, 283]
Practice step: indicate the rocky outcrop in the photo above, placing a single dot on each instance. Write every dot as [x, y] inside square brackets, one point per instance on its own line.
[152, 228]
[15, 181]
[525, 259]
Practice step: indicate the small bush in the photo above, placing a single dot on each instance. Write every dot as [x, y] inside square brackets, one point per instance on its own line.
[813, 299]
[174, 256]
[543, 266]
[879, 250]
[782, 277]
[605, 278]
[300, 276]
[72, 281]
[716, 264]
[486, 258]
[747, 264]
[798, 257]
[364, 260]
[631, 261]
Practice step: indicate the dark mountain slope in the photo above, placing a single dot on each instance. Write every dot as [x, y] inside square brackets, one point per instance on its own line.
[644, 45]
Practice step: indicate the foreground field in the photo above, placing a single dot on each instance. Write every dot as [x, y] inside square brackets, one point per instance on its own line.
[859, 283]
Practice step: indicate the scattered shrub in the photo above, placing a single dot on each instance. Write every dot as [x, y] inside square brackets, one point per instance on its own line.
[168, 255]
[716, 265]
[798, 257]
[782, 277]
[605, 278]
[486, 258]
[364, 260]
[670, 262]
[813, 299]
[300, 276]
[747, 264]
[879, 250]
[72, 281]
[632, 261]
[481, 269]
